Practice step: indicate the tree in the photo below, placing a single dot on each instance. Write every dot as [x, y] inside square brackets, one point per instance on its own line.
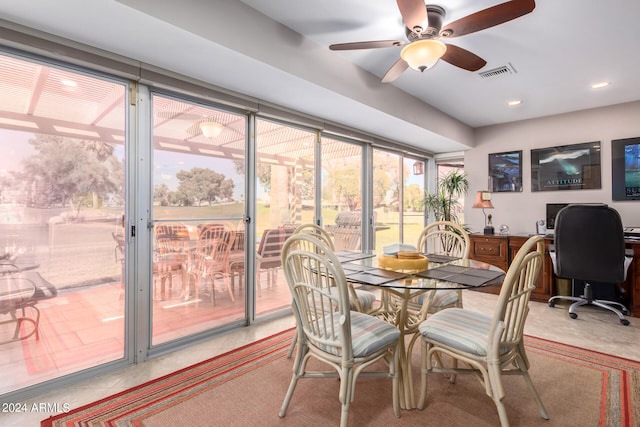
[66, 170]
[381, 186]
[161, 194]
[413, 196]
[204, 185]
[344, 187]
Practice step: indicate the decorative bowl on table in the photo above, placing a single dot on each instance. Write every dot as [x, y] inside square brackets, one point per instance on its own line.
[404, 261]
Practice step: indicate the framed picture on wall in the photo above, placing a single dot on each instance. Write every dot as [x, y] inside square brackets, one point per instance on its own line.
[566, 167]
[505, 171]
[625, 169]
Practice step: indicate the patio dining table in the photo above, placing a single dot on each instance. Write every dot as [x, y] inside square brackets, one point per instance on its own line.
[405, 284]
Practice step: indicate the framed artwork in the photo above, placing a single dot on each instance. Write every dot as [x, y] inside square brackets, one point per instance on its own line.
[625, 169]
[566, 167]
[505, 171]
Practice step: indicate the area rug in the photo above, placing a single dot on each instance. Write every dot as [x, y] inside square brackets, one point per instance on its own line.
[245, 387]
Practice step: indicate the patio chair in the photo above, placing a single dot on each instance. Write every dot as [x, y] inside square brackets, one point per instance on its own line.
[210, 259]
[444, 239]
[268, 256]
[317, 231]
[360, 299]
[348, 341]
[487, 346]
[441, 240]
[237, 259]
[20, 292]
[170, 255]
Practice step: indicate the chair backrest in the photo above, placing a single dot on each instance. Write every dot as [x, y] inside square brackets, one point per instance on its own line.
[317, 231]
[589, 244]
[512, 307]
[173, 230]
[171, 237]
[214, 244]
[270, 247]
[445, 238]
[323, 313]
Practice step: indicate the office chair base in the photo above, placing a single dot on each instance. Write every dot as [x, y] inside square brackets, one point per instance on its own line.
[579, 301]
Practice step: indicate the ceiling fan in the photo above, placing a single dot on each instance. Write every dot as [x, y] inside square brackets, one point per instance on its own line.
[424, 29]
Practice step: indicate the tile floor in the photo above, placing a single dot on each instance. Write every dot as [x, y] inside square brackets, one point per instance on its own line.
[594, 329]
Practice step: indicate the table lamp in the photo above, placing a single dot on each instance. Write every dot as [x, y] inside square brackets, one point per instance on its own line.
[483, 201]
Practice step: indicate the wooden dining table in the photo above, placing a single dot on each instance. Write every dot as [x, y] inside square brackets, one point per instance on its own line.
[406, 285]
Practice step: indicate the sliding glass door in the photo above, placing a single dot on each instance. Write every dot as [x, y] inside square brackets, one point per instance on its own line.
[285, 198]
[198, 211]
[342, 189]
[413, 220]
[387, 182]
[62, 206]
[158, 220]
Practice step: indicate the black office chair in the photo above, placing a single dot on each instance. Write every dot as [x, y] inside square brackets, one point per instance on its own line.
[589, 246]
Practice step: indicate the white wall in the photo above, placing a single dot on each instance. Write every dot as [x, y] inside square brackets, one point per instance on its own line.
[521, 210]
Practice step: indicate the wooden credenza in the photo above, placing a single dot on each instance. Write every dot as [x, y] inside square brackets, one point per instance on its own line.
[500, 250]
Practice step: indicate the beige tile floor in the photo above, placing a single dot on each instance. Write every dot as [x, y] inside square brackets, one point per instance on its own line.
[594, 329]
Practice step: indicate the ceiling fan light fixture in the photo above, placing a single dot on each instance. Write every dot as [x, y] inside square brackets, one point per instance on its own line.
[423, 54]
[211, 129]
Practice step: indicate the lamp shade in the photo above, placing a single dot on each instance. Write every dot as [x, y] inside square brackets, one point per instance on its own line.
[483, 200]
[211, 129]
[423, 54]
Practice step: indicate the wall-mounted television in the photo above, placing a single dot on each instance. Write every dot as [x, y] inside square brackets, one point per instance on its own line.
[625, 169]
[566, 167]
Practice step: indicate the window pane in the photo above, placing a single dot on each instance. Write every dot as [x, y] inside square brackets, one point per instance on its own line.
[413, 194]
[285, 199]
[61, 216]
[198, 210]
[387, 177]
[342, 192]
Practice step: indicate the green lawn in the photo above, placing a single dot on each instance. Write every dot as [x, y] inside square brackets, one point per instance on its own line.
[413, 224]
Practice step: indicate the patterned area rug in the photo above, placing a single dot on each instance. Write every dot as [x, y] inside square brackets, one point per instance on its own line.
[245, 387]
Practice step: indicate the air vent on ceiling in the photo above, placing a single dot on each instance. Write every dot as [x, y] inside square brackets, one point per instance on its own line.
[497, 72]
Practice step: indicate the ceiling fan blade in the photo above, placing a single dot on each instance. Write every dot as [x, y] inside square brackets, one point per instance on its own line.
[488, 18]
[414, 14]
[366, 45]
[395, 71]
[462, 58]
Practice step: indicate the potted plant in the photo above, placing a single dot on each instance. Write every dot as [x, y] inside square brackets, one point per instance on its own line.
[444, 204]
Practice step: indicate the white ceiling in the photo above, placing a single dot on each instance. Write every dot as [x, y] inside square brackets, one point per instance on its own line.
[557, 52]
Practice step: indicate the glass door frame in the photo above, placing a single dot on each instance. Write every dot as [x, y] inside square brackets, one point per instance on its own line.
[145, 224]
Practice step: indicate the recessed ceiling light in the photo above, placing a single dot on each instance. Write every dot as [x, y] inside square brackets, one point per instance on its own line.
[599, 85]
[514, 103]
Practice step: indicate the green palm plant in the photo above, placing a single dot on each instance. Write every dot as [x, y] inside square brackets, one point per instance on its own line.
[444, 203]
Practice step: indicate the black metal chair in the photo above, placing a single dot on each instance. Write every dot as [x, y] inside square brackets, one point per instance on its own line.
[589, 246]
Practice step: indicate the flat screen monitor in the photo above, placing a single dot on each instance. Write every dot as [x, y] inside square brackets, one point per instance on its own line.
[625, 169]
[552, 211]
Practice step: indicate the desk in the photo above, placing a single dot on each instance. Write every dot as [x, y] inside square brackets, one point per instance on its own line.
[499, 250]
[405, 288]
